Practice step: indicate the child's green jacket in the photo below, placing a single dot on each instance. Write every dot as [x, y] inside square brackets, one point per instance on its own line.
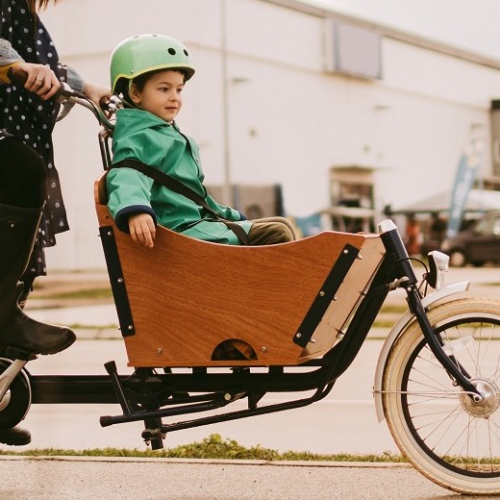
[142, 136]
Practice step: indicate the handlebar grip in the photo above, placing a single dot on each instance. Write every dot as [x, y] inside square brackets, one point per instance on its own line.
[19, 77]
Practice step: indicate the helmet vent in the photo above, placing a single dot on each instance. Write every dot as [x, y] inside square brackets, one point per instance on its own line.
[172, 52]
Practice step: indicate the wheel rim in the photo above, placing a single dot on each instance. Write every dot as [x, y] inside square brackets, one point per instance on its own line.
[448, 426]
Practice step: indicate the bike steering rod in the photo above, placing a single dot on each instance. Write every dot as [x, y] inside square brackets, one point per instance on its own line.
[394, 244]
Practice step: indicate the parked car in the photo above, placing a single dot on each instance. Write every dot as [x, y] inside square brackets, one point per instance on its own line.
[478, 244]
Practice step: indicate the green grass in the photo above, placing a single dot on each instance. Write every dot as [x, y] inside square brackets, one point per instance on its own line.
[383, 324]
[212, 447]
[95, 293]
[79, 326]
[394, 309]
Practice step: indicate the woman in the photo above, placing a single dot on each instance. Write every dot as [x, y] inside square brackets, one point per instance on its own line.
[31, 207]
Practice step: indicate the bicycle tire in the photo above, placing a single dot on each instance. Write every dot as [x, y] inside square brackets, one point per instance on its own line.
[449, 439]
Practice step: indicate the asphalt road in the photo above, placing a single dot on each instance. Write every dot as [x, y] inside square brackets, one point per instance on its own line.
[125, 479]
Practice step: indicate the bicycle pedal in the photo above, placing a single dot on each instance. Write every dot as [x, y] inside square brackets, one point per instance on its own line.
[15, 353]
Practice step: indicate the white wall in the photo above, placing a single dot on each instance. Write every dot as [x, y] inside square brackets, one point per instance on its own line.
[288, 120]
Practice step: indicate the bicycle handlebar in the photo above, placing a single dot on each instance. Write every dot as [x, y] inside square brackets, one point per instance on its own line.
[67, 94]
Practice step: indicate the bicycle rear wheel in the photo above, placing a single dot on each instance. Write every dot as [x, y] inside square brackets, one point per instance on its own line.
[17, 401]
[445, 435]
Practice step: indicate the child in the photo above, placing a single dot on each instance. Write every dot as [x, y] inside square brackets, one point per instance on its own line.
[150, 72]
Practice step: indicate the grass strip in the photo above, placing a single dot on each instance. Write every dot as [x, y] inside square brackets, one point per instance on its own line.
[94, 293]
[212, 447]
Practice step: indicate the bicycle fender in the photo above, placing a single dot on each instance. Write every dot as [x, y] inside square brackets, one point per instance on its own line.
[400, 326]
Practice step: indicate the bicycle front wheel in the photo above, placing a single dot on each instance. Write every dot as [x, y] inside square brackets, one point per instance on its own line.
[445, 435]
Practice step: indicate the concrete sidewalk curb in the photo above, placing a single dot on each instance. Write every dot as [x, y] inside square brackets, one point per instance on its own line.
[208, 461]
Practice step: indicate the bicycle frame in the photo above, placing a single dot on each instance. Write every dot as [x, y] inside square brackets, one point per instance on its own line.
[150, 396]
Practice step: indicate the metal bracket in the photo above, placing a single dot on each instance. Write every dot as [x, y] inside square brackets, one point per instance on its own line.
[325, 295]
[117, 281]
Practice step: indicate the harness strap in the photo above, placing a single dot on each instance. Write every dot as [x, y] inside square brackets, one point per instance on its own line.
[180, 188]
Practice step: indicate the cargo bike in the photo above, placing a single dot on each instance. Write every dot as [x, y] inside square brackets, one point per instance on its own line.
[201, 333]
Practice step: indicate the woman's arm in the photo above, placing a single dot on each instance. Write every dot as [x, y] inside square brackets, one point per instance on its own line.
[7, 54]
[42, 80]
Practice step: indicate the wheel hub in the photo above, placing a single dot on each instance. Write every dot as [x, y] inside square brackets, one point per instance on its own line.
[488, 405]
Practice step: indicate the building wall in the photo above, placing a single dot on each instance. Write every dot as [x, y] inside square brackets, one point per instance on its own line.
[288, 121]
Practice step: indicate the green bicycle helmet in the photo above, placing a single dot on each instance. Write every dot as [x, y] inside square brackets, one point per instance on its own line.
[142, 54]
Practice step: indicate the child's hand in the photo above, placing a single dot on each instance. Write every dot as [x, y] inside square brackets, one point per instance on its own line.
[96, 93]
[142, 229]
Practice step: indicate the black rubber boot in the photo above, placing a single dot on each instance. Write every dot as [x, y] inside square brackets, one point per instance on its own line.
[17, 436]
[18, 227]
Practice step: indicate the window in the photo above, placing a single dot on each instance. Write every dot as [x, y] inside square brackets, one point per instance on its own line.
[353, 50]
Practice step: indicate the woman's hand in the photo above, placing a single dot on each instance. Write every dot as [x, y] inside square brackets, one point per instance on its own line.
[142, 229]
[41, 80]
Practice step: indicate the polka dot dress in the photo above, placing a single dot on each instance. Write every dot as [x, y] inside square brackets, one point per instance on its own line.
[29, 118]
